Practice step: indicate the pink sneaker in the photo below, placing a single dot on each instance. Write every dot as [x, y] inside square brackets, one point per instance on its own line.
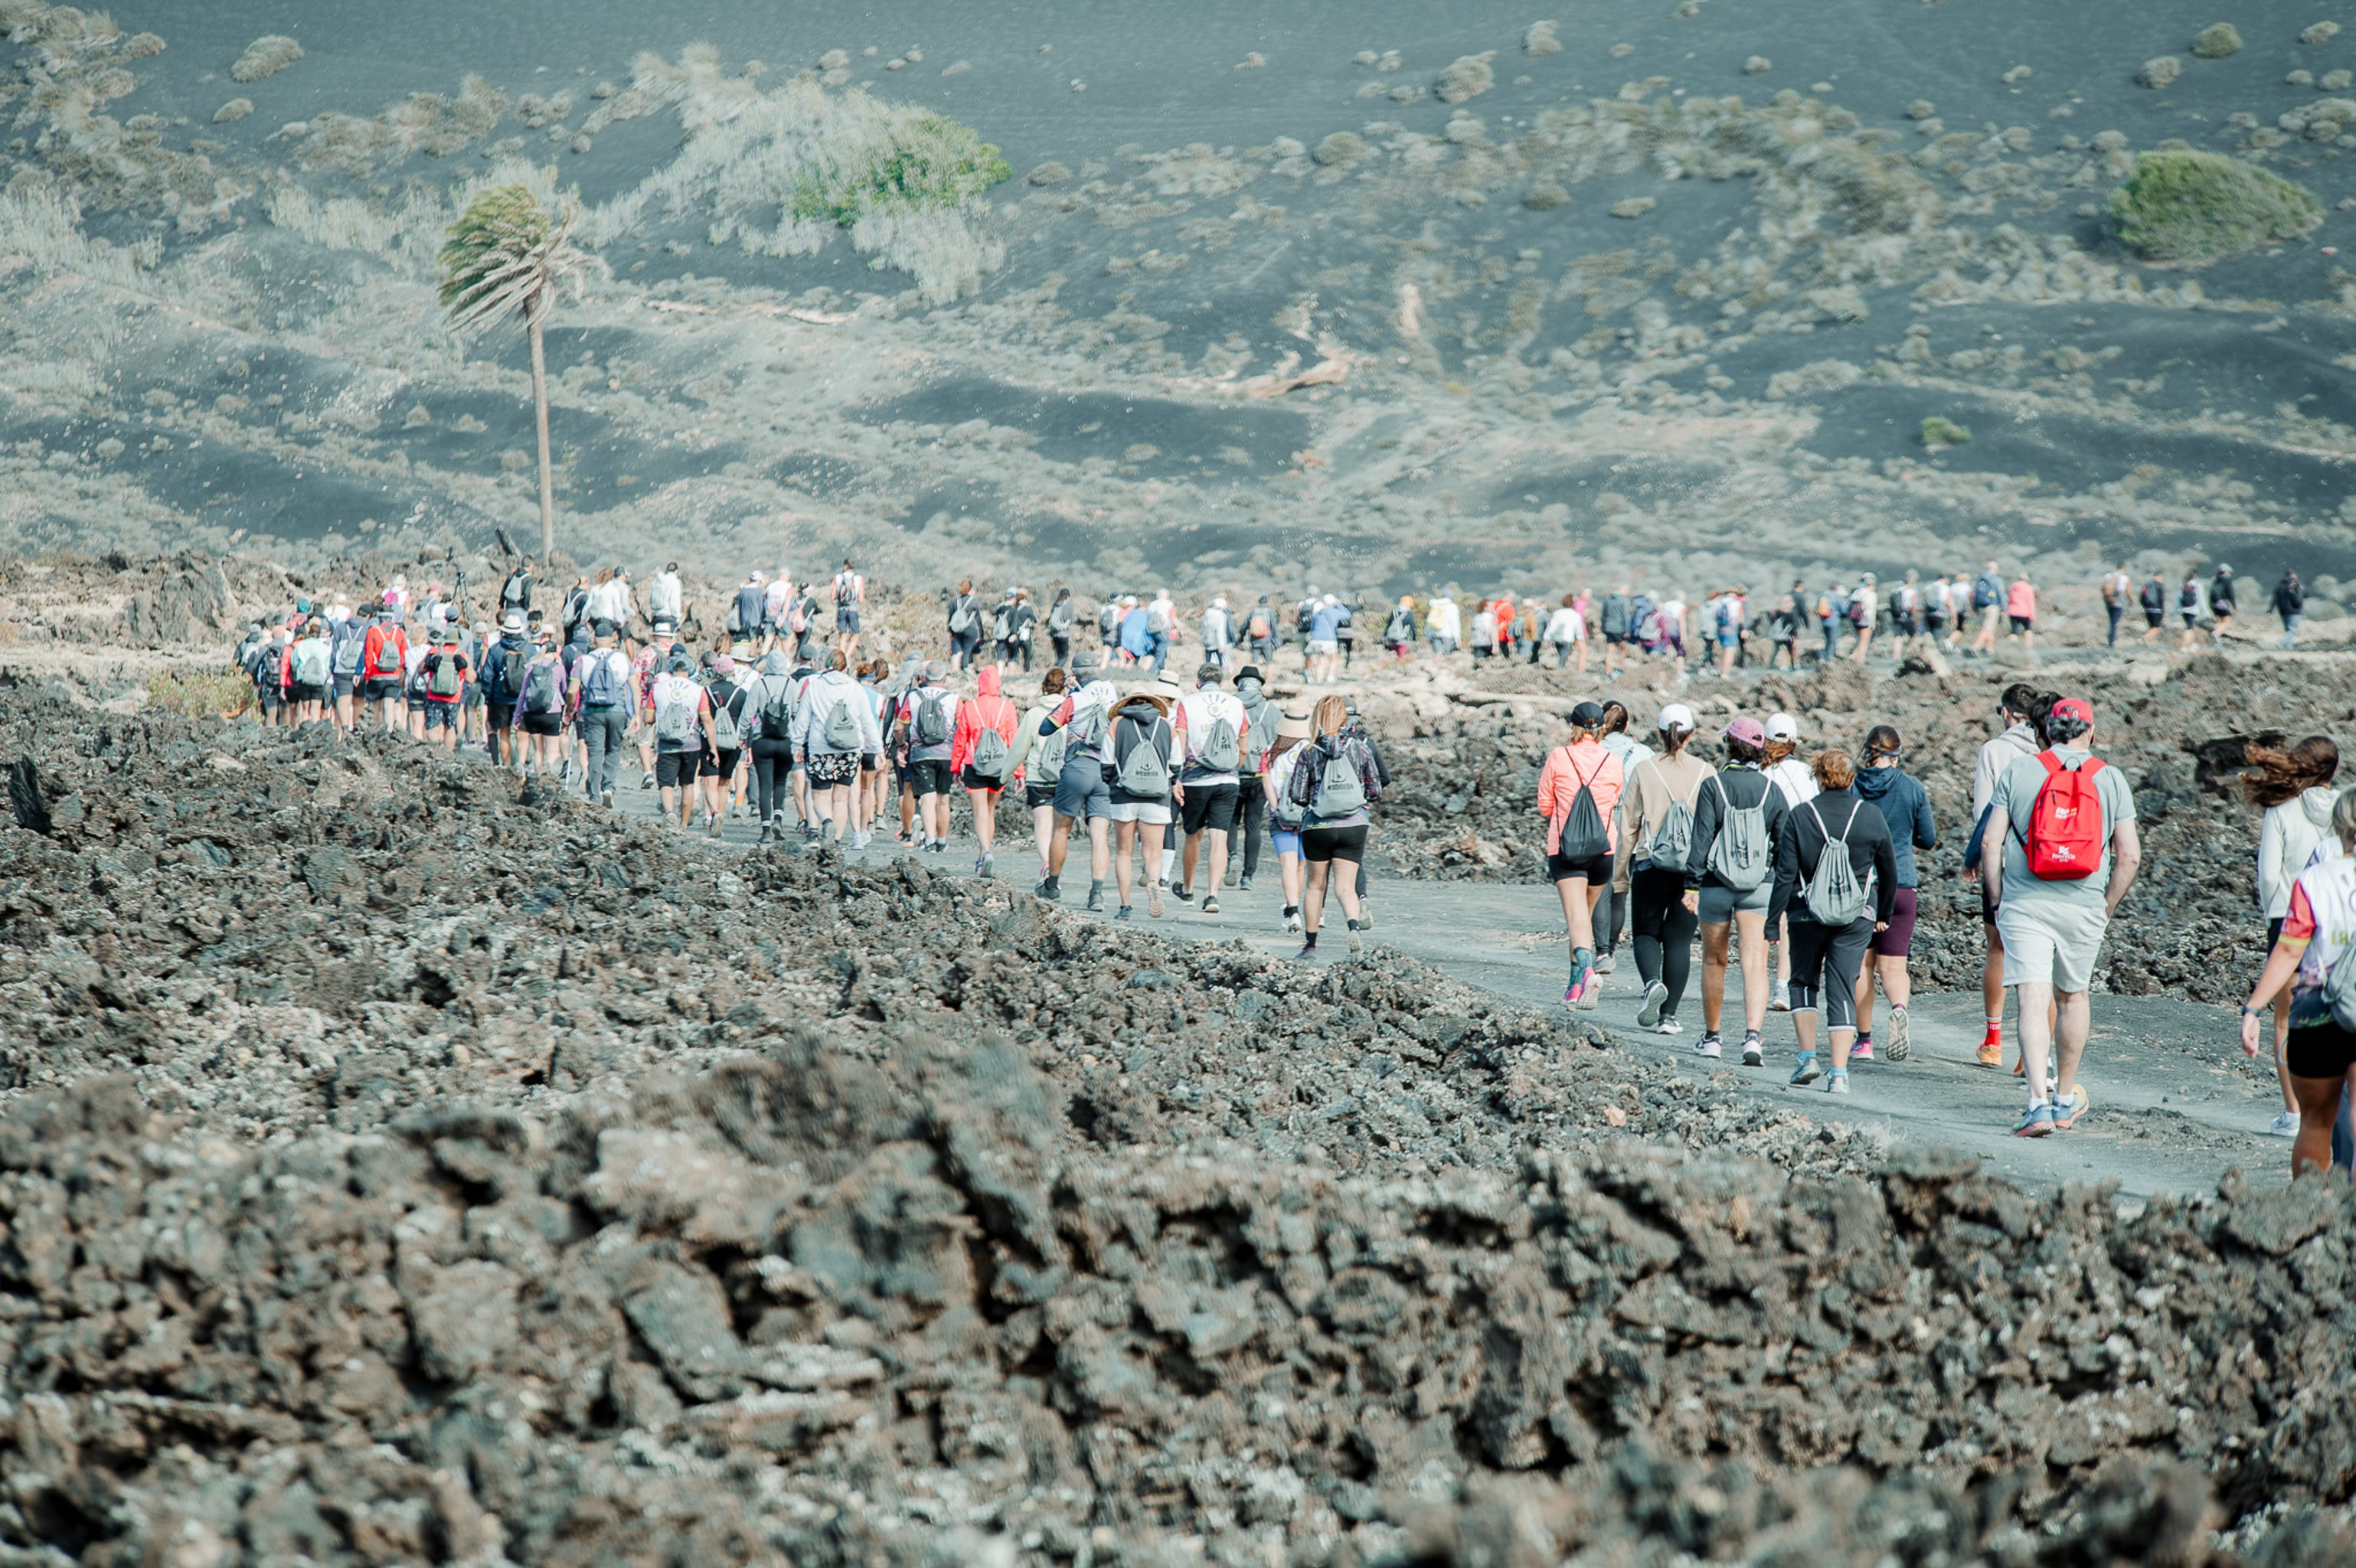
[1861, 1051]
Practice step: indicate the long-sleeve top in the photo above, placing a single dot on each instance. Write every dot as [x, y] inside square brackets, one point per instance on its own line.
[1567, 768]
[1905, 810]
[1310, 769]
[1738, 786]
[1444, 620]
[1645, 800]
[1026, 736]
[1800, 843]
[990, 710]
[1997, 755]
[828, 690]
[2286, 838]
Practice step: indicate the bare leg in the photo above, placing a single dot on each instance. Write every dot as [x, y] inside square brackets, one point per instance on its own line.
[1150, 835]
[1751, 934]
[1313, 896]
[2318, 1107]
[1713, 974]
[2036, 1032]
[1121, 871]
[2073, 1015]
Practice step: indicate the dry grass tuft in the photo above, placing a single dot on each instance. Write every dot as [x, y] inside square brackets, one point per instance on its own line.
[266, 56]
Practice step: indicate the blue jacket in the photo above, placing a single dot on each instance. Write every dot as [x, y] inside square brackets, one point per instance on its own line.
[1907, 809]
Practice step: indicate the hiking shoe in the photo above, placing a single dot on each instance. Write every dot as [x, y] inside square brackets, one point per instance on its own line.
[2036, 1122]
[1096, 895]
[2067, 1111]
[1292, 920]
[1656, 997]
[1897, 1042]
[1048, 890]
[1605, 963]
[1243, 884]
[1308, 950]
[2285, 1125]
[1186, 894]
[1210, 905]
[1805, 1071]
[1590, 993]
[861, 839]
[983, 869]
[1125, 911]
[1779, 996]
[1366, 915]
[1357, 943]
[1670, 1026]
[1836, 1082]
[1153, 903]
[1755, 1051]
[712, 829]
[1992, 1049]
[605, 799]
[1570, 996]
[1708, 1046]
[646, 781]
[1862, 1051]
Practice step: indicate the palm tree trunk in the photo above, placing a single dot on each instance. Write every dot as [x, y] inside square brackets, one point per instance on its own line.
[547, 479]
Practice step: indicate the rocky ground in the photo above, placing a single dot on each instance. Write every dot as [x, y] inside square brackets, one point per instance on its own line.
[401, 1164]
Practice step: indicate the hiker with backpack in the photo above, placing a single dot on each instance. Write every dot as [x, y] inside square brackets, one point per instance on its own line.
[2154, 601]
[1136, 631]
[726, 776]
[1218, 629]
[981, 755]
[1987, 605]
[849, 602]
[1140, 773]
[835, 730]
[1577, 799]
[1796, 781]
[964, 624]
[443, 673]
[1334, 784]
[604, 700]
[1260, 721]
[1835, 876]
[2016, 711]
[1729, 877]
[534, 718]
[2221, 603]
[515, 593]
[1905, 808]
[1443, 626]
[1263, 631]
[266, 665]
[1161, 628]
[347, 643]
[1656, 820]
[1564, 631]
[681, 728]
[767, 729]
[502, 684]
[1018, 630]
[1211, 727]
[1398, 631]
[2293, 785]
[1061, 615]
[2066, 851]
[1037, 762]
[924, 724]
[1611, 909]
[2310, 962]
[1864, 611]
[311, 672]
[1284, 818]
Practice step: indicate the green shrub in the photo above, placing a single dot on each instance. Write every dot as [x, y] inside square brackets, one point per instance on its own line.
[2195, 207]
[928, 161]
[199, 695]
[2216, 41]
[1938, 430]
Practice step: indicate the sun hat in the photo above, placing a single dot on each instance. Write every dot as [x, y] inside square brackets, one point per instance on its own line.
[511, 622]
[1290, 728]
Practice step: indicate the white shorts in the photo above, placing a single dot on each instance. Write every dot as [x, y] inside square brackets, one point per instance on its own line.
[1323, 645]
[1153, 813]
[2051, 942]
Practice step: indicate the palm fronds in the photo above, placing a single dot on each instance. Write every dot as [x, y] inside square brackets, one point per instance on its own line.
[508, 257]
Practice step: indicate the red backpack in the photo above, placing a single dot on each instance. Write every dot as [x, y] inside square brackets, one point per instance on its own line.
[2063, 838]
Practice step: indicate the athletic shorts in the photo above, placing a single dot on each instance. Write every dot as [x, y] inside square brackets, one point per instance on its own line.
[533, 723]
[2155, 619]
[474, 694]
[440, 715]
[722, 766]
[1730, 639]
[1081, 791]
[342, 687]
[1150, 813]
[1211, 805]
[2022, 622]
[1323, 645]
[1319, 844]
[673, 769]
[270, 697]
[2191, 618]
[846, 620]
[383, 689]
[972, 780]
[1037, 795]
[501, 715]
[299, 692]
[1617, 639]
[1288, 840]
[1721, 903]
[2044, 940]
[1597, 870]
[1899, 939]
[930, 776]
[2319, 1050]
[830, 770]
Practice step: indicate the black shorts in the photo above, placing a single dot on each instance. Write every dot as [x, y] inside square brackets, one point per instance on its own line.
[972, 780]
[270, 697]
[383, 689]
[2319, 1050]
[1213, 805]
[533, 723]
[1596, 870]
[929, 775]
[299, 692]
[1319, 844]
[1037, 795]
[2155, 619]
[2022, 622]
[722, 766]
[673, 769]
[501, 715]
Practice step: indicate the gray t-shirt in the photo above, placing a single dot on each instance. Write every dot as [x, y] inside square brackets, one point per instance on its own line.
[2016, 793]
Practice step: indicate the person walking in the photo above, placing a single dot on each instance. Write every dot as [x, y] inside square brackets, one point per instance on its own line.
[1283, 817]
[2221, 603]
[1262, 722]
[1263, 631]
[1335, 784]
[1140, 776]
[1022, 630]
[2320, 1050]
[1905, 808]
[1083, 719]
[1398, 631]
[534, 722]
[1864, 612]
[768, 708]
[2154, 601]
[1578, 800]
[2290, 604]
[1061, 614]
[1728, 877]
[982, 756]
[2020, 610]
[603, 685]
[850, 605]
[2118, 588]
[1443, 625]
[1619, 617]
[2293, 786]
[1835, 876]
[835, 730]
[1038, 762]
[924, 723]
[1612, 907]
[965, 626]
[2189, 598]
[1218, 628]
[1212, 727]
[1783, 627]
[1795, 782]
[1656, 831]
[2061, 829]
[2015, 740]
[1324, 643]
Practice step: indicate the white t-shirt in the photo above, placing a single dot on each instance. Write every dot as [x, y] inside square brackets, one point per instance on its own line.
[1445, 620]
[663, 594]
[1197, 712]
[1792, 776]
[1565, 626]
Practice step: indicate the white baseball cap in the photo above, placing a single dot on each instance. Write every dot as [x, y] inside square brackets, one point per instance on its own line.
[1676, 716]
[1783, 727]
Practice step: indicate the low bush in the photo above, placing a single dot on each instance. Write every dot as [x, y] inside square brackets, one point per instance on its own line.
[2189, 206]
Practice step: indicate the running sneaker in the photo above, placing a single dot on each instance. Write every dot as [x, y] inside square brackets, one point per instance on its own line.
[1243, 884]
[1570, 994]
[712, 829]
[1186, 894]
[1656, 997]
[2285, 1125]
[1308, 950]
[1862, 1051]
[2067, 1111]
[1096, 896]
[1805, 1071]
[1293, 922]
[981, 868]
[1755, 1051]
[1124, 913]
[861, 839]
[1365, 914]
[1605, 963]
[1707, 1045]
[1153, 903]
[2036, 1122]
[1590, 993]
[1836, 1082]
[1210, 904]
[1670, 1026]
[1779, 996]
[605, 799]
[1357, 943]
[1992, 1049]
[646, 781]
[1898, 1042]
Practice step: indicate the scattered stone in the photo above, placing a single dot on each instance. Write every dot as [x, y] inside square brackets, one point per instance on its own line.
[1633, 207]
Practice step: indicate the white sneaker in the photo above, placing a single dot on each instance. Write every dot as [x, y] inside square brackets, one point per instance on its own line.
[1671, 1026]
[1779, 996]
[1755, 1051]
[1707, 1046]
[2285, 1125]
[1604, 962]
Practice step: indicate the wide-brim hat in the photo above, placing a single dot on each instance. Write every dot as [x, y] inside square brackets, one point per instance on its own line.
[1292, 727]
[511, 622]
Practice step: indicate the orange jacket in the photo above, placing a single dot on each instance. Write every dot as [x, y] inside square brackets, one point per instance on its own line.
[1568, 767]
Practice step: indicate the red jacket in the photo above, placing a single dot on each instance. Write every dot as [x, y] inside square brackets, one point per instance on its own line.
[987, 708]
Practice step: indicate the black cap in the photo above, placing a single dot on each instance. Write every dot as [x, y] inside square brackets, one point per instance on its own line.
[1587, 715]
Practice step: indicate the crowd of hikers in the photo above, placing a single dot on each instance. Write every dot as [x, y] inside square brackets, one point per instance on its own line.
[1799, 871]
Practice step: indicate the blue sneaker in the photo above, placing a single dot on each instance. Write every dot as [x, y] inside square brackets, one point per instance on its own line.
[1836, 1082]
[1804, 1071]
[2036, 1122]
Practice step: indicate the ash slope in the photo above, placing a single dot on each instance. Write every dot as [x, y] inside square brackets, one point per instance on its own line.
[1893, 222]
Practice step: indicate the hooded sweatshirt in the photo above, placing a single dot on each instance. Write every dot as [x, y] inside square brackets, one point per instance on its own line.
[1145, 725]
[1906, 810]
[2286, 838]
[828, 690]
[1258, 713]
[988, 709]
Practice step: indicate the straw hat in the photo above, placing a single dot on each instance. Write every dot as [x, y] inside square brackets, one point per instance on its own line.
[1289, 727]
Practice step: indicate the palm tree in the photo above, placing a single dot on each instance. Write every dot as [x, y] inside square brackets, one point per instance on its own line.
[508, 256]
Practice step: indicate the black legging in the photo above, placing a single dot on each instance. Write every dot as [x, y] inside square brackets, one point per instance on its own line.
[1824, 964]
[1611, 919]
[772, 763]
[1664, 931]
[1251, 808]
[963, 646]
